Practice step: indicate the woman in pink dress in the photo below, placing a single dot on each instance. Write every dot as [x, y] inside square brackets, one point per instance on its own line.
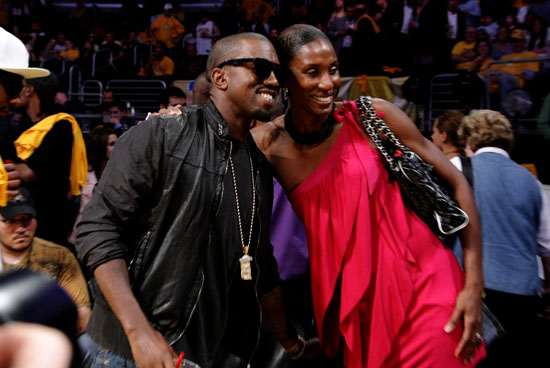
[386, 292]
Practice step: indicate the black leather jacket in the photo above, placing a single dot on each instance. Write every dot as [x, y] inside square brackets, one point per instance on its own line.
[154, 207]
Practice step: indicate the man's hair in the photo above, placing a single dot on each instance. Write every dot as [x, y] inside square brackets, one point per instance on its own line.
[487, 128]
[291, 40]
[171, 92]
[46, 89]
[227, 48]
[12, 83]
[449, 122]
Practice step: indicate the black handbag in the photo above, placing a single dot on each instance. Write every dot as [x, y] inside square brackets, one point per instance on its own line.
[422, 189]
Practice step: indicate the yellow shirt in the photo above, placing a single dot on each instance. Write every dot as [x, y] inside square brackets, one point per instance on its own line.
[3, 184]
[74, 54]
[167, 29]
[517, 68]
[458, 49]
[160, 68]
[250, 7]
[31, 139]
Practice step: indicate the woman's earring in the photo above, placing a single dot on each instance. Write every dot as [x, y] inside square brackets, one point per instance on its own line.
[284, 94]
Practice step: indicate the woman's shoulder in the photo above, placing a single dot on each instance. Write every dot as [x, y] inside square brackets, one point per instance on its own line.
[267, 135]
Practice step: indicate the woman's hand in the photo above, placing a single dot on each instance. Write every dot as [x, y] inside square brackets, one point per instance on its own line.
[468, 309]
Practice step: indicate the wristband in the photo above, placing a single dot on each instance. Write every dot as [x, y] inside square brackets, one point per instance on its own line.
[297, 350]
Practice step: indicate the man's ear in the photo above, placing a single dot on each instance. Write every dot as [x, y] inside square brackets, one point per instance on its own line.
[219, 79]
[445, 137]
[28, 90]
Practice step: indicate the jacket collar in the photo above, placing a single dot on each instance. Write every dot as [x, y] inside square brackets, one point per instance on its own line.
[215, 120]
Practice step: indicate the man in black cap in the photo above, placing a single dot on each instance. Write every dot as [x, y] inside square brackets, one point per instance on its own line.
[19, 248]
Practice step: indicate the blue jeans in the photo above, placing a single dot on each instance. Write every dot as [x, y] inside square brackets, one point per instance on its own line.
[106, 358]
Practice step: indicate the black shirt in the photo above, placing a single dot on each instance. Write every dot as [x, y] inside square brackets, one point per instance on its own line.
[51, 163]
[222, 267]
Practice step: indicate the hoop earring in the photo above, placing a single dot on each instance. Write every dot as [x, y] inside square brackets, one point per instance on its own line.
[284, 94]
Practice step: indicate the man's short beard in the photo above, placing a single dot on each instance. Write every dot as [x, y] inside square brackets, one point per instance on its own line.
[262, 115]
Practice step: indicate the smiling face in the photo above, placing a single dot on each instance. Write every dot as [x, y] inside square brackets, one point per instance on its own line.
[251, 96]
[314, 79]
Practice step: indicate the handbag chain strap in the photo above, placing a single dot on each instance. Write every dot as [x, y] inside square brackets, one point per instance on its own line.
[372, 121]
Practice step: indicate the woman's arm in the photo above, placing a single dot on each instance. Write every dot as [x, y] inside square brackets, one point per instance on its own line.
[469, 301]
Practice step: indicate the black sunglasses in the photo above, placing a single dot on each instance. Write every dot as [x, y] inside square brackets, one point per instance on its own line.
[261, 67]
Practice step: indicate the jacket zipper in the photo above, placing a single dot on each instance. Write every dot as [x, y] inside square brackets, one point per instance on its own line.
[257, 277]
[209, 240]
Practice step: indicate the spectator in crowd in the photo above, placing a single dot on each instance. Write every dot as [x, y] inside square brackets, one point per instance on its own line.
[191, 66]
[71, 53]
[159, 65]
[501, 46]
[19, 248]
[206, 32]
[428, 31]
[541, 8]
[490, 27]
[337, 29]
[49, 53]
[149, 319]
[51, 158]
[168, 29]
[483, 58]
[14, 61]
[538, 37]
[366, 35]
[71, 107]
[108, 96]
[173, 96]
[346, 50]
[515, 75]
[456, 23]
[114, 59]
[112, 116]
[463, 52]
[60, 42]
[445, 136]
[100, 143]
[472, 10]
[515, 220]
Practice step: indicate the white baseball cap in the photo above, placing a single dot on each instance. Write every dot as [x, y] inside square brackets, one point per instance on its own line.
[14, 57]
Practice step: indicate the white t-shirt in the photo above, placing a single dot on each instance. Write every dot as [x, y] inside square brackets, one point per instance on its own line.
[204, 44]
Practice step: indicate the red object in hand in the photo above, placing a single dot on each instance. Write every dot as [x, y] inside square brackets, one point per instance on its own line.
[180, 359]
[8, 162]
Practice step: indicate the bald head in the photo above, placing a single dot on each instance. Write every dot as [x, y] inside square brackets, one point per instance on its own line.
[228, 48]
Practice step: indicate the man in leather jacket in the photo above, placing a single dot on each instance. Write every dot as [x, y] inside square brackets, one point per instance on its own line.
[180, 201]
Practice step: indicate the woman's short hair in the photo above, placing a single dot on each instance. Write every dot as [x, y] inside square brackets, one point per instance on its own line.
[449, 122]
[487, 128]
[292, 39]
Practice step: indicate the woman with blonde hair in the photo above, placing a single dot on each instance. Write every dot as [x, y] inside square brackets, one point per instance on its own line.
[515, 223]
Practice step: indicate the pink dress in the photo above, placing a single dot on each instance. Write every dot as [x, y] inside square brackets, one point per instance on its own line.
[383, 284]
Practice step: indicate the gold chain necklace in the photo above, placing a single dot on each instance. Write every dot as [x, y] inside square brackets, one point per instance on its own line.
[246, 270]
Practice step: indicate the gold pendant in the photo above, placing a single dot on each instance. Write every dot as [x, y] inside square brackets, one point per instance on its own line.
[246, 269]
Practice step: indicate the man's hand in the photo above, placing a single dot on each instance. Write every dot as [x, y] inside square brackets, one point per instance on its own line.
[13, 181]
[468, 309]
[150, 350]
